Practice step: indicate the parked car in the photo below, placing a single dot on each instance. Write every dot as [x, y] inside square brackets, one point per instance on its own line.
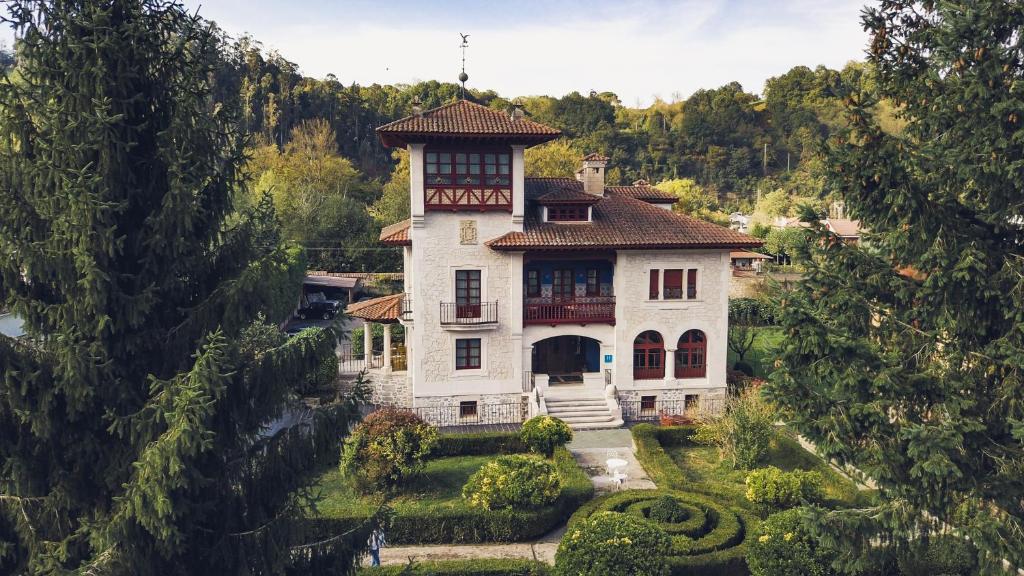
[323, 309]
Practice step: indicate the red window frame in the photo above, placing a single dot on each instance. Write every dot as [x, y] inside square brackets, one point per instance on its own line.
[467, 353]
[648, 356]
[468, 409]
[692, 355]
[467, 168]
[673, 284]
[533, 283]
[467, 293]
[567, 213]
[563, 285]
[593, 282]
[648, 405]
[655, 284]
[691, 284]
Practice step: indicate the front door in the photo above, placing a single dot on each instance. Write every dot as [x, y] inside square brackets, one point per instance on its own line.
[563, 286]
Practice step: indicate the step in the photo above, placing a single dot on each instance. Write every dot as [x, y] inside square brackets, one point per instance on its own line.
[583, 419]
[576, 403]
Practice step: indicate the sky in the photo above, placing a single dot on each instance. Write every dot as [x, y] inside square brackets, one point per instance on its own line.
[638, 49]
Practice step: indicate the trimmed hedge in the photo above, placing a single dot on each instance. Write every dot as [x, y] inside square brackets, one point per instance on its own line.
[466, 525]
[710, 538]
[481, 567]
[478, 444]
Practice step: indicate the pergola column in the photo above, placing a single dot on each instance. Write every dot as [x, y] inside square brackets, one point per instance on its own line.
[387, 347]
[670, 364]
[368, 342]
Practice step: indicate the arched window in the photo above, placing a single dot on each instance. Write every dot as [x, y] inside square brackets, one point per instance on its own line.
[648, 356]
[691, 355]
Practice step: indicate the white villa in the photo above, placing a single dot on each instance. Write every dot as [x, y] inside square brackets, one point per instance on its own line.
[594, 303]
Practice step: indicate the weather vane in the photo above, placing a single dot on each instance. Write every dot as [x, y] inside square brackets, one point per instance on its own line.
[462, 75]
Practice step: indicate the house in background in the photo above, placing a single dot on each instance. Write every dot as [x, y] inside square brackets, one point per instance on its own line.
[848, 230]
[744, 261]
[567, 296]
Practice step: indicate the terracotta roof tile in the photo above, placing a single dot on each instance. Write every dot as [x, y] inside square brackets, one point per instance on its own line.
[383, 309]
[623, 222]
[464, 118]
[558, 191]
[396, 234]
[751, 255]
[645, 192]
[595, 157]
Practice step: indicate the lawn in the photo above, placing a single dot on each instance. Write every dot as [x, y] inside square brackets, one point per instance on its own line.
[702, 465]
[763, 353]
[440, 486]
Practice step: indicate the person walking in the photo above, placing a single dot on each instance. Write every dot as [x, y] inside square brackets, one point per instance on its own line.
[376, 542]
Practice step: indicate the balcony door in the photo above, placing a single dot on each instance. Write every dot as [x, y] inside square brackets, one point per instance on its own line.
[563, 285]
[467, 293]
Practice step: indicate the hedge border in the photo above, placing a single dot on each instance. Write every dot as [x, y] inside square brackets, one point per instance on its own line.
[475, 567]
[466, 525]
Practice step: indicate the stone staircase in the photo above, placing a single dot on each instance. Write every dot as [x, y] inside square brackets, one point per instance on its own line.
[582, 410]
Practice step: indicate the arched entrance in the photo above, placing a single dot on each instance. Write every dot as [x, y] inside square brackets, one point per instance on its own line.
[566, 358]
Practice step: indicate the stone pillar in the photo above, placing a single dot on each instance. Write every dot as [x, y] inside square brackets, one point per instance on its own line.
[387, 348]
[518, 187]
[670, 365]
[368, 342]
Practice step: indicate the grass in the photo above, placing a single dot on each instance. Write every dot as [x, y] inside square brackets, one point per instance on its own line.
[703, 465]
[439, 486]
[762, 354]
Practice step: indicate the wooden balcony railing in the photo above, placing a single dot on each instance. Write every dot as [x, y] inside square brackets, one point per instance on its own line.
[656, 373]
[597, 309]
[457, 314]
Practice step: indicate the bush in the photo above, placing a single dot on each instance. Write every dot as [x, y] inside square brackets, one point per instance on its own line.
[744, 368]
[512, 481]
[613, 543]
[784, 547]
[666, 509]
[386, 448]
[478, 444]
[480, 567]
[744, 434]
[752, 311]
[771, 489]
[943, 555]
[542, 434]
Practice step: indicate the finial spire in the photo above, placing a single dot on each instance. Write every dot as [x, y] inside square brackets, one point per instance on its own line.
[462, 75]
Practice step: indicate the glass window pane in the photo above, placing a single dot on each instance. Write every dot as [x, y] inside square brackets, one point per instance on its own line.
[474, 158]
[490, 169]
[503, 169]
[460, 157]
[446, 168]
[446, 157]
[503, 158]
[489, 158]
[432, 157]
[431, 168]
[460, 168]
[474, 168]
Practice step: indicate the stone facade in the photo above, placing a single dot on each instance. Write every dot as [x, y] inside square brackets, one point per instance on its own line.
[392, 389]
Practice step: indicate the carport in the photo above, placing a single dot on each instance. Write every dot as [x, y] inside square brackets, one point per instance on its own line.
[342, 288]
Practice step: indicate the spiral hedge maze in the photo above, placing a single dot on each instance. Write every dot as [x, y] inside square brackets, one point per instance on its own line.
[708, 536]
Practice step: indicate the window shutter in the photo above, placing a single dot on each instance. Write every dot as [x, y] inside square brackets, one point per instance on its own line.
[691, 283]
[673, 284]
[654, 284]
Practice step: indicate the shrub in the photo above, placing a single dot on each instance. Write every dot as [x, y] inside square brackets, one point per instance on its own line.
[478, 444]
[666, 509]
[744, 368]
[753, 311]
[943, 555]
[613, 543]
[542, 434]
[784, 547]
[771, 489]
[386, 448]
[744, 434]
[512, 481]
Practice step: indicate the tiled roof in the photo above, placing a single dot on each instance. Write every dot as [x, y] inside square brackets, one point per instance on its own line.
[384, 309]
[843, 227]
[558, 191]
[751, 255]
[396, 234]
[623, 222]
[595, 157]
[464, 118]
[644, 191]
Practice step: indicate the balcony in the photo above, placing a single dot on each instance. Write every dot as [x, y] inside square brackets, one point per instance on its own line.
[582, 310]
[455, 314]
[405, 310]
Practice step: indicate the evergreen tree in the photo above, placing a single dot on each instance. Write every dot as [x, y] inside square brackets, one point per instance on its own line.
[132, 416]
[904, 357]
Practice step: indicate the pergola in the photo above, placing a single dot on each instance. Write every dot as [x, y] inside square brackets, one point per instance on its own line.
[385, 310]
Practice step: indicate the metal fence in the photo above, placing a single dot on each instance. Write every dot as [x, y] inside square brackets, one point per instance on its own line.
[455, 313]
[652, 410]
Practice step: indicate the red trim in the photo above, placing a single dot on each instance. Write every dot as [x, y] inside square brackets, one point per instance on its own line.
[568, 213]
[673, 284]
[655, 285]
[648, 356]
[599, 310]
[472, 353]
[691, 283]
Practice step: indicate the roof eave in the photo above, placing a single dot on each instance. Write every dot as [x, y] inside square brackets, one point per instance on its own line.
[401, 139]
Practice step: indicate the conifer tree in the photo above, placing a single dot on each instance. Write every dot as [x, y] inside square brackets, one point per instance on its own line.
[132, 417]
[904, 356]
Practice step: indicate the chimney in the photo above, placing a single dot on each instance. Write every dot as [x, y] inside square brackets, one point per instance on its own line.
[592, 174]
[517, 110]
[417, 107]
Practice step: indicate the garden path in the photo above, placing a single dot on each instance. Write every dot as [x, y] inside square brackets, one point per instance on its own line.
[591, 448]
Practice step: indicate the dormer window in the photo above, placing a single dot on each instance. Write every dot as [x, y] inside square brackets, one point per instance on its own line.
[569, 213]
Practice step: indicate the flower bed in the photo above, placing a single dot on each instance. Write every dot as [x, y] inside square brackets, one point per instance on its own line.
[430, 509]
